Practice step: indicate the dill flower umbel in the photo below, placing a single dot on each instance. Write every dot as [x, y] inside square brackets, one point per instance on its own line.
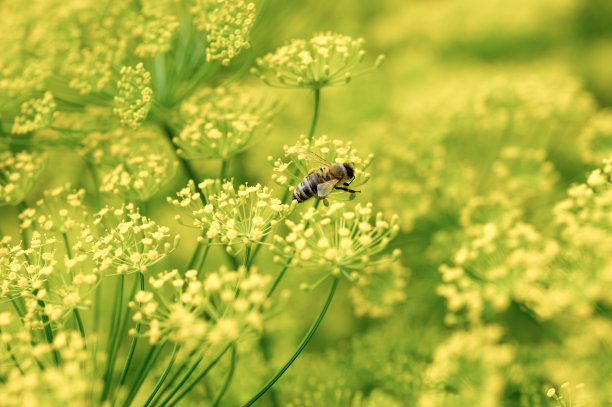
[221, 123]
[39, 381]
[378, 288]
[135, 95]
[60, 210]
[299, 160]
[35, 114]
[337, 240]
[34, 273]
[133, 165]
[595, 141]
[327, 59]
[155, 33]
[227, 25]
[193, 313]
[18, 173]
[127, 242]
[230, 215]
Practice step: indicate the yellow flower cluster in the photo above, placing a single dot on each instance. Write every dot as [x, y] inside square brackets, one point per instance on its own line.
[595, 140]
[42, 382]
[155, 34]
[229, 215]
[133, 165]
[378, 289]
[18, 173]
[127, 242]
[478, 360]
[196, 313]
[337, 240]
[227, 25]
[31, 273]
[135, 95]
[35, 114]
[60, 210]
[222, 122]
[327, 59]
[140, 176]
[90, 69]
[305, 155]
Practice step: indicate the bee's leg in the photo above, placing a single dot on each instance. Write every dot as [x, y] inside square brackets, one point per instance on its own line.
[352, 191]
[346, 184]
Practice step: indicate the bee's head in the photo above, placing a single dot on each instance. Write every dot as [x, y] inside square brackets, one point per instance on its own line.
[349, 170]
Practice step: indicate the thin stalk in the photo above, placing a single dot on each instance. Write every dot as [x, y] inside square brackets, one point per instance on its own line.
[150, 360]
[163, 376]
[313, 126]
[223, 170]
[202, 260]
[10, 351]
[300, 348]
[47, 327]
[22, 206]
[128, 360]
[196, 252]
[113, 336]
[176, 375]
[315, 114]
[167, 402]
[228, 379]
[77, 315]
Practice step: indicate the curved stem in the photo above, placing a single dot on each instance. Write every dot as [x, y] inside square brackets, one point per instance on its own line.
[300, 347]
[163, 376]
[128, 361]
[228, 379]
[113, 336]
[150, 360]
[182, 394]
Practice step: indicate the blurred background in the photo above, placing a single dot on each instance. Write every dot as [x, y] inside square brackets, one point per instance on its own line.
[487, 104]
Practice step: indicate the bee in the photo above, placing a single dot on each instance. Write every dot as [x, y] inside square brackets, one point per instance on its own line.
[323, 180]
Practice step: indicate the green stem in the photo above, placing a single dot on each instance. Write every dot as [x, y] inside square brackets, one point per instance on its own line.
[79, 321]
[163, 376]
[150, 360]
[10, 351]
[203, 259]
[300, 348]
[47, 327]
[313, 125]
[113, 336]
[228, 379]
[128, 361]
[223, 170]
[315, 115]
[77, 315]
[182, 394]
[196, 252]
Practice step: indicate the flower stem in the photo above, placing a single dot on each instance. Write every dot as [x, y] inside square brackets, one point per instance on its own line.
[77, 315]
[150, 360]
[228, 379]
[223, 170]
[113, 336]
[182, 394]
[300, 348]
[128, 361]
[163, 376]
[315, 115]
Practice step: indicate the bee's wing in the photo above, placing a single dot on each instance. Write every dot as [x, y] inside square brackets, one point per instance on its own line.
[314, 157]
[325, 188]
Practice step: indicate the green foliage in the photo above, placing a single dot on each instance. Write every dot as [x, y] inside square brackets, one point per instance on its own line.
[151, 253]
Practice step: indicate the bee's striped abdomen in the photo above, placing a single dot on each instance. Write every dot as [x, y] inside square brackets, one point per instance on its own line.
[307, 188]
